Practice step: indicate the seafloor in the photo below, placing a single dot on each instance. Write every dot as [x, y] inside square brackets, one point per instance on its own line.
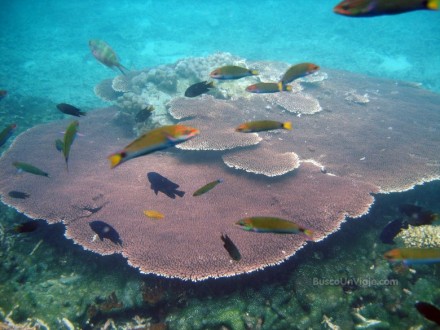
[46, 279]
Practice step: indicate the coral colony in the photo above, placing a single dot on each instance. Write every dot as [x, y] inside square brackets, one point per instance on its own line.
[317, 174]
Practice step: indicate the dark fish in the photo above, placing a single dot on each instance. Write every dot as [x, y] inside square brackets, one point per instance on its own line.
[162, 184]
[429, 311]
[3, 93]
[199, 88]
[367, 8]
[104, 230]
[417, 216]
[391, 230]
[144, 114]
[26, 227]
[230, 247]
[7, 133]
[70, 110]
[25, 167]
[59, 145]
[18, 194]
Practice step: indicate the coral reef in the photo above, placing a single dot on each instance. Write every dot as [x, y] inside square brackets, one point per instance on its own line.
[420, 236]
[89, 188]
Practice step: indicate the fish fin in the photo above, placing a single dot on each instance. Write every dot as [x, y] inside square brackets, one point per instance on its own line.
[254, 72]
[433, 4]
[115, 159]
[287, 125]
[179, 193]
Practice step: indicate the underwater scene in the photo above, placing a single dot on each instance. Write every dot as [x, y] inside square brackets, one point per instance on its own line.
[224, 165]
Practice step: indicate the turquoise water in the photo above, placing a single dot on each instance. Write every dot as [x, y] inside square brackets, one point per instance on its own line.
[46, 60]
[45, 52]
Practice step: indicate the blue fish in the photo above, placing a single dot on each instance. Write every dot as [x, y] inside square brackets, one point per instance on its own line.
[104, 230]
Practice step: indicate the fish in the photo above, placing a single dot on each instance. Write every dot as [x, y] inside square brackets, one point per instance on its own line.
[154, 140]
[417, 216]
[391, 230]
[59, 145]
[268, 87]
[18, 194]
[105, 54]
[161, 184]
[70, 110]
[409, 256]
[154, 214]
[3, 93]
[26, 227]
[232, 72]
[104, 230]
[199, 88]
[272, 225]
[69, 137]
[144, 114]
[429, 311]
[7, 133]
[25, 167]
[297, 71]
[207, 187]
[263, 125]
[369, 8]
[230, 247]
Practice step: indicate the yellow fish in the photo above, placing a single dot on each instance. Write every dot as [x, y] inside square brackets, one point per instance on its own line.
[153, 214]
[154, 140]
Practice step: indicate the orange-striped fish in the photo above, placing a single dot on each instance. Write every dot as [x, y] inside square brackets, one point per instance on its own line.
[268, 87]
[105, 54]
[154, 140]
[232, 72]
[263, 125]
[366, 8]
[409, 256]
[297, 71]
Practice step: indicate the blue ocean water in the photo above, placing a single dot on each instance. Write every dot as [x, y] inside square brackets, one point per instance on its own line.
[45, 54]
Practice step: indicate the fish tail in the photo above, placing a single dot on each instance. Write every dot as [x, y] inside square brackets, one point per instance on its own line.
[287, 88]
[280, 86]
[287, 125]
[433, 4]
[82, 113]
[210, 84]
[309, 233]
[254, 72]
[122, 68]
[179, 193]
[115, 160]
